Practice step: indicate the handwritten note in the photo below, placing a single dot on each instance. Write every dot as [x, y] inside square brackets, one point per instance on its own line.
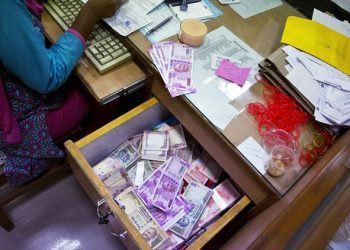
[231, 72]
[254, 153]
[319, 41]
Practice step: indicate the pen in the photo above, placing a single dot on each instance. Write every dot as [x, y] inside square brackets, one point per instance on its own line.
[159, 25]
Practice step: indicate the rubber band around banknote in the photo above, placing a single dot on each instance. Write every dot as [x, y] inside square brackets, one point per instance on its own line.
[192, 32]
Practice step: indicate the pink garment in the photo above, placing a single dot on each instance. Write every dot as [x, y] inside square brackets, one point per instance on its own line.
[8, 124]
[34, 7]
[77, 34]
[60, 121]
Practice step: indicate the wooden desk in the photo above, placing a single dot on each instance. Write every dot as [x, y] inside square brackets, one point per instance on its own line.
[106, 87]
[275, 226]
[273, 221]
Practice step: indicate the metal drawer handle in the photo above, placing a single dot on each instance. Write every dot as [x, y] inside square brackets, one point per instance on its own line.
[103, 219]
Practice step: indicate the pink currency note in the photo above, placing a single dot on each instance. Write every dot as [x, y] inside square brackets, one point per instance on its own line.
[179, 209]
[210, 212]
[180, 74]
[182, 52]
[225, 194]
[195, 173]
[231, 72]
[146, 189]
[208, 166]
[169, 184]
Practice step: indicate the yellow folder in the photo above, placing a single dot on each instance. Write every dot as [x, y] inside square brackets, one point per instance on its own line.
[319, 41]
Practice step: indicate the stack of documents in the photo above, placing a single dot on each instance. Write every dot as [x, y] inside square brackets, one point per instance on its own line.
[327, 88]
[175, 64]
[304, 70]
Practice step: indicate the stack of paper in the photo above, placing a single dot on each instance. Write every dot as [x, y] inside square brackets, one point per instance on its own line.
[327, 88]
[175, 64]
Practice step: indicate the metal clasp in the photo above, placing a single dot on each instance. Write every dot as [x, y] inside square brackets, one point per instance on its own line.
[103, 219]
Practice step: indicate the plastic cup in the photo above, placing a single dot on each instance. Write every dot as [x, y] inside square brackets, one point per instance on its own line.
[275, 137]
[282, 159]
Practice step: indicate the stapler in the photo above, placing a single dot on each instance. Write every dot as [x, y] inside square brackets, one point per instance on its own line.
[178, 2]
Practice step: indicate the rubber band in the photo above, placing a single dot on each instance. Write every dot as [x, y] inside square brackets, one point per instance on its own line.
[281, 111]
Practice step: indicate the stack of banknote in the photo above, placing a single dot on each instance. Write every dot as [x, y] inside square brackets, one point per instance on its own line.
[170, 188]
[175, 65]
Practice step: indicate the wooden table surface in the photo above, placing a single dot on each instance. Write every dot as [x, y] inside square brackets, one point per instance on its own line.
[275, 225]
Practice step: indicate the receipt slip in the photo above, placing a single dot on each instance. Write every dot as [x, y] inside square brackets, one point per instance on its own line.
[318, 40]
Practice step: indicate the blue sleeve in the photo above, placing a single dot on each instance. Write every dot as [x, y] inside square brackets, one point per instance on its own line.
[23, 51]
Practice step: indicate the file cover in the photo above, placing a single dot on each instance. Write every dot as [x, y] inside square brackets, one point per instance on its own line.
[273, 68]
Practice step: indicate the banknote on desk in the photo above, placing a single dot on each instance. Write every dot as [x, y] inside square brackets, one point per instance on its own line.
[150, 230]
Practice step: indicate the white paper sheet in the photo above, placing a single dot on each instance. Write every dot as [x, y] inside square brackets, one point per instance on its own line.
[254, 153]
[169, 29]
[345, 4]
[198, 10]
[214, 94]
[248, 8]
[148, 5]
[129, 18]
[304, 82]
[331, 22]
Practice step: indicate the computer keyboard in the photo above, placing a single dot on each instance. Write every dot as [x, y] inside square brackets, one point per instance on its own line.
[104, 50]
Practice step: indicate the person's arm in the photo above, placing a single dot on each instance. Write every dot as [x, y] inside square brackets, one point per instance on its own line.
[23, 51]
[91, 13]
[22, 46]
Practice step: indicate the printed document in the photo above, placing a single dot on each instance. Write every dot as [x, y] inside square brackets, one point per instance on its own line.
[198, 10]
[248, 8]
[211, 87]
[129, 18]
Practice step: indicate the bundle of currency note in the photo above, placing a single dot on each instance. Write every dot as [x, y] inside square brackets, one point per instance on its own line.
[175, 64]
[179, 209]
[155, 145]
[199, 195]
[172, 242]
[169, 183]
[170, 174]
[125, 154]
[205, 167]
[160, 193]
[150, 230]
[113, 175]
[224, 195]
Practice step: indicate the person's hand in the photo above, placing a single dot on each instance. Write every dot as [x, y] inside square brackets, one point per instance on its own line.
[92, 12]
[102, 8]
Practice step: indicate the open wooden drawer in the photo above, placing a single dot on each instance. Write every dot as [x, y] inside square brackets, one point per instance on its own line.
[93, 148]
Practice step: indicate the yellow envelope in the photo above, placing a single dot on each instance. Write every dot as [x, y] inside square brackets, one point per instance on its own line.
[319, 41]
